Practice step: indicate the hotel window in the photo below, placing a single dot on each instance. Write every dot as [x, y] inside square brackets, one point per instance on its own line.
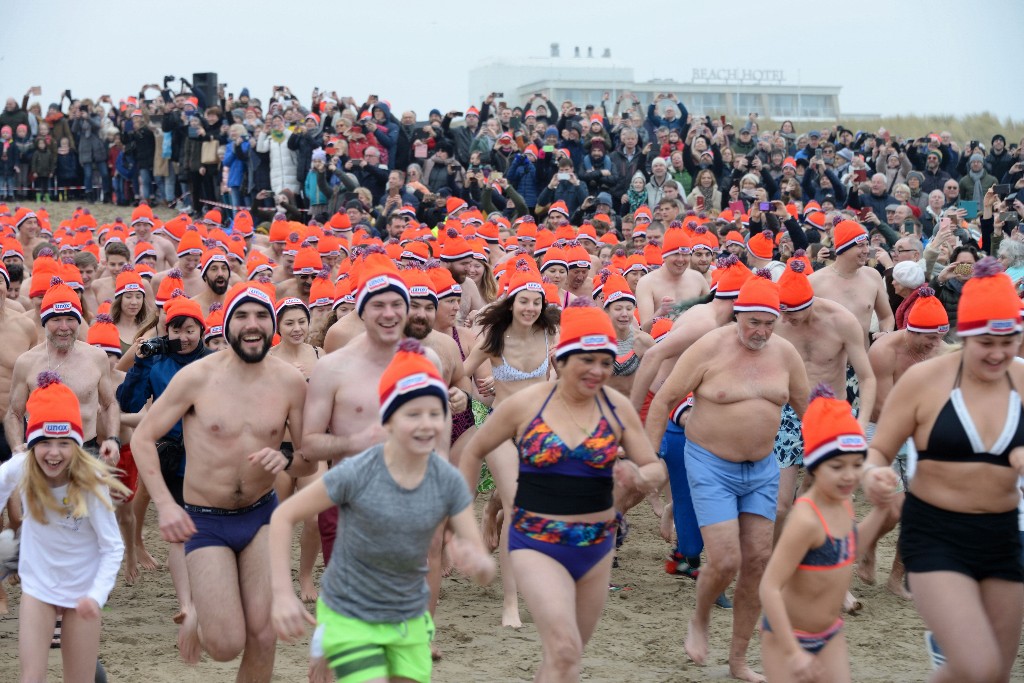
[747, 103]
[781, 105]
[816, 106]
[705, 103]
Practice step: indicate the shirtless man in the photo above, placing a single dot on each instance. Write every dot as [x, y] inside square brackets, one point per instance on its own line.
[142, 226]
[693, 324]
[305, 267]
[457, 257]
[27, 225]
[702, 253]
[733, 477]
[216, 274]
[235, 406]
[190, 252]
[827, 336]
[578, 280]
[672, 283]
[115, 257]
[890, 357]
[81, 367]
[848, 281]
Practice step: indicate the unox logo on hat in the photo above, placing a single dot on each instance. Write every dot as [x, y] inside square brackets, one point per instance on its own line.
[62, 306]
[257, 293]
[133, 287]
[535, 286]
[457, 288]
[852, 442]
[942, 328]
[594, 341]
[57, 430]
[377, 283]
[419, 291]
[417, 381]
[1002, 325]
[614, 296]
[216, 330]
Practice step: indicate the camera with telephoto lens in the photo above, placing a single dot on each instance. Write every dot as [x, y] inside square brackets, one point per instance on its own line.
[168, 79]
[158, 346]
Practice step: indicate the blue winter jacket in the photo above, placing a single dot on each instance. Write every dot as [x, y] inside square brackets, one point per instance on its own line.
[236, 162]
[150, 377]
[523, 176]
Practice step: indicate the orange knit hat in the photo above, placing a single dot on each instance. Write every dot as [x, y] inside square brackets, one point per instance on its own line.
[321, 292]
[103, 333]
[525, 279]
[211, 256]
[214, 322]
[660, 328]
[377, 276]
[171, 282]
[420, 285]
[927, 314]
[762, 244]
[758, 295]
[989, 303]
[307, 262]
[60, 300]
[343, 292]
[181, 306]
[676, 241]
[191, 243]
[455, 247]
[53, 411]
[616, 289]
[795, 291]
[408, 376]
[248, 293]
[829, 429]
[444, 284]
[847, 234]
[730, 274]
[585, 329]
[128, 281]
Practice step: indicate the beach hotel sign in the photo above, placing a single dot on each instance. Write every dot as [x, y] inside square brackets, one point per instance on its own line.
[740, 75]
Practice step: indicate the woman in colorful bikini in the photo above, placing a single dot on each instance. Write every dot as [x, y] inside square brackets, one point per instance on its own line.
[810, 569]
[564, 521]
[959, 539]
[518, 333]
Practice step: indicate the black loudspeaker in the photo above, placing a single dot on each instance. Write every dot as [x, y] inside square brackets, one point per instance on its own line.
[206, 85]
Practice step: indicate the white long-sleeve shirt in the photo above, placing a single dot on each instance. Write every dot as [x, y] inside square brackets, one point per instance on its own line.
[69, 558]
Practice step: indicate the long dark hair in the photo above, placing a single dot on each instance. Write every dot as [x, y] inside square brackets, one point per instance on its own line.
[497, 318]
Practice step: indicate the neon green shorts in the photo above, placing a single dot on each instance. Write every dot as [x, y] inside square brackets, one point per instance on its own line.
[359, 651]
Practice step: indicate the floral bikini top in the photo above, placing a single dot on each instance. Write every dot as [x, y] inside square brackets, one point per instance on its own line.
[542, 450]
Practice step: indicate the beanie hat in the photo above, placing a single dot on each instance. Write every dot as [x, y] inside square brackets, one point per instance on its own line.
[444, 284]
[142, 250]
[180, 306]
[191, 243]
[829, 429]
[555, 256]
[616, 289]
[343, 292]
[420, 285]
[307, 262]
[53, 411]
[379, 276]
[128, 281]
[248, 293]
[455, 247]
[454, 204]
[676, 241]
[291, 302]
[762, 244]
[908, 274]
[214, 322]
[927, 315]
[585, 329]
[704, 239]
[795, 291]
[6, 276]
[103, 333]
[935, 152]
[525, 279]
[758, 295]
[408, 376]
[559, 207]
[660, 328]
[60, 300]
[989, 303]
[171, 282]
[211, 256]
[321, 292]
[731, 275]
[847, 234]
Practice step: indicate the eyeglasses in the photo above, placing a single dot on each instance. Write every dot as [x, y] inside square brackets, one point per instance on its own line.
[906, 251]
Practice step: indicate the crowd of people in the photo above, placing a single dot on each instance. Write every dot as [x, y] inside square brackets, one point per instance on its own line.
[587, 301]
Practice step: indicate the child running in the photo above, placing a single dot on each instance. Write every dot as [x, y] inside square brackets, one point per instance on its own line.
[372, 610]
[809, 573]
[71, 547]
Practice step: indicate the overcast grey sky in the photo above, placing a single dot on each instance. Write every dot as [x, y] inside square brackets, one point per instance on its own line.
[889, 56]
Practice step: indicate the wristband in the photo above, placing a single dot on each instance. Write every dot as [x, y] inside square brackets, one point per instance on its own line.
[115, 440]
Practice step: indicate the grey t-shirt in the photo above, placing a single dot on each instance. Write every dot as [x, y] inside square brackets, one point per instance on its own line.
[379, 567]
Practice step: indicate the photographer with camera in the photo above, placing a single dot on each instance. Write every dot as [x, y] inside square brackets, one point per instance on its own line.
[157, 361]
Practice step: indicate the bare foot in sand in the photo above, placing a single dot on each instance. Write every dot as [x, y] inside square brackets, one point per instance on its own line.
[490, 525]
[307, 589]
[667, 525]
[896, 586]
[657, 504]
[319, 671]
[510, 616]
[696, 643]
[4, 608]
[866, 568]
[146, 560]
[189, 648]
[743, 672]
[131, 572]
[435, 652]
[851, 605]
